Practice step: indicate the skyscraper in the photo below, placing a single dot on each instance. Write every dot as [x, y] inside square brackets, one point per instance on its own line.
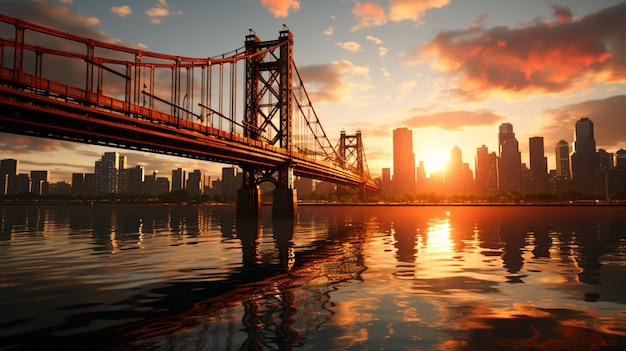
[194, 182]
[538, 165]
[584, 157]
[509, 161]
[40, 180]
[178, 179]
[562, 159]
[8, 172]
[106, 173]
[135, 180]
[403, 161]
[486, 171]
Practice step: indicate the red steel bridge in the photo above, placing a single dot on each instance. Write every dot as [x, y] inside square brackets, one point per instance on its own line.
[248, 107]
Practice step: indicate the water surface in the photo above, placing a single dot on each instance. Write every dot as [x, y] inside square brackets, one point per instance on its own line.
[157, 277]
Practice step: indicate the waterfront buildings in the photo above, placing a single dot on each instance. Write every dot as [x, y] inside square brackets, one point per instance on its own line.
[584, 158]
[509, 160]
[538, 180]
[403, 161]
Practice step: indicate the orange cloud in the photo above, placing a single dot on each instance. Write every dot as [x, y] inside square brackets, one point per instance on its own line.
[454, 120]
[280, 8]
[122, 11]
[401, 10]
[368, 14]
[542, 57]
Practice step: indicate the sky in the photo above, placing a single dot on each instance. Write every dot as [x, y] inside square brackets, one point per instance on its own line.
[450, 70]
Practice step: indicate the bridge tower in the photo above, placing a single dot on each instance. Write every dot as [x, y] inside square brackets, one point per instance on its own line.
[268, 118]
[352, 157]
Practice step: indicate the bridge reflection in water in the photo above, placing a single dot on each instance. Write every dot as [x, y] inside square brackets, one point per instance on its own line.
[334, 277]
[275, 295]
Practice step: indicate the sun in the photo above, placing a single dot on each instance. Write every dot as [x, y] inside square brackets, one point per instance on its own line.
[434, 161]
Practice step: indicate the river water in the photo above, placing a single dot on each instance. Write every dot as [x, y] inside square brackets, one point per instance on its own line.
[159, 277]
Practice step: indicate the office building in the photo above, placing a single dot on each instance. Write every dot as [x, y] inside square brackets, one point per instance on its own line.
[509, 160]
[230, 182]
[403, 161]
[40, 181]
[178, 179]
[584, 157]
[538, 180]
[194, 183]
[486, 167]
[562, 159]
[107, 172]
[8, 173]
[135, 180]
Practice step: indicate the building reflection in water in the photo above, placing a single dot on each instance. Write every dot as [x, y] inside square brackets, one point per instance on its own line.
[451, 275]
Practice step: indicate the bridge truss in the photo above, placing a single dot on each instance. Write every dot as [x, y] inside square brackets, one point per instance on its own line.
[59, 85]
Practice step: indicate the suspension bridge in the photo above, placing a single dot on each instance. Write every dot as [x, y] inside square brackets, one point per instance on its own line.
[248, 107]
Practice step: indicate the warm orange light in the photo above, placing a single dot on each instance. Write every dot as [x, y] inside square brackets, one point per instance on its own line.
[434, 161]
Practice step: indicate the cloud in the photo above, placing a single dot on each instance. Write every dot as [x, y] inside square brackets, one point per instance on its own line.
[160, 10]
[404, 88]
[607, 116]
[280, 8]
[122, 11]
[454, 120]
[330, 31]
[15, 144]
[374, 39]
[413, 10]
[539, 58]
[368, 14]
[334, 82]
[350, 46]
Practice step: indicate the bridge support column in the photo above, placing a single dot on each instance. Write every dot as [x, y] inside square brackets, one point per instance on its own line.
[285, 203]
[249, 202]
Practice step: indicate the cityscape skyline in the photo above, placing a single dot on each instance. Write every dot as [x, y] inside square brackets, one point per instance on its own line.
[451, 71]
[585, 169]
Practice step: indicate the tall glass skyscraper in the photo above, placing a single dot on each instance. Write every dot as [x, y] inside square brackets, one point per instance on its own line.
[509, 161]
[403, 161]
[562, 159]
[584, 157]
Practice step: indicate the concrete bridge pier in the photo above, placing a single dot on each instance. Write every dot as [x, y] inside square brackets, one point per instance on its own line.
[285, 203]
[249, 202]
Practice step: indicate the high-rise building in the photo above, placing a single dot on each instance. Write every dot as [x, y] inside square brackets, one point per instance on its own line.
[620, 159]
[135, 180]
[178, 179]
[562, 159]
[8, 171]
[78, 183]
[194, 182]
[538, 181]
[230, 182]
[40, 180]
[403, 161]
[107, 172]
[421, 181]
[122, 176]
[584, 157]
[385, 180]
[486, 171]
[509, 161]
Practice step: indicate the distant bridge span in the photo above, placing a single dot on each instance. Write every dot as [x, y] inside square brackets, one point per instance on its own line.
[94, 92]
